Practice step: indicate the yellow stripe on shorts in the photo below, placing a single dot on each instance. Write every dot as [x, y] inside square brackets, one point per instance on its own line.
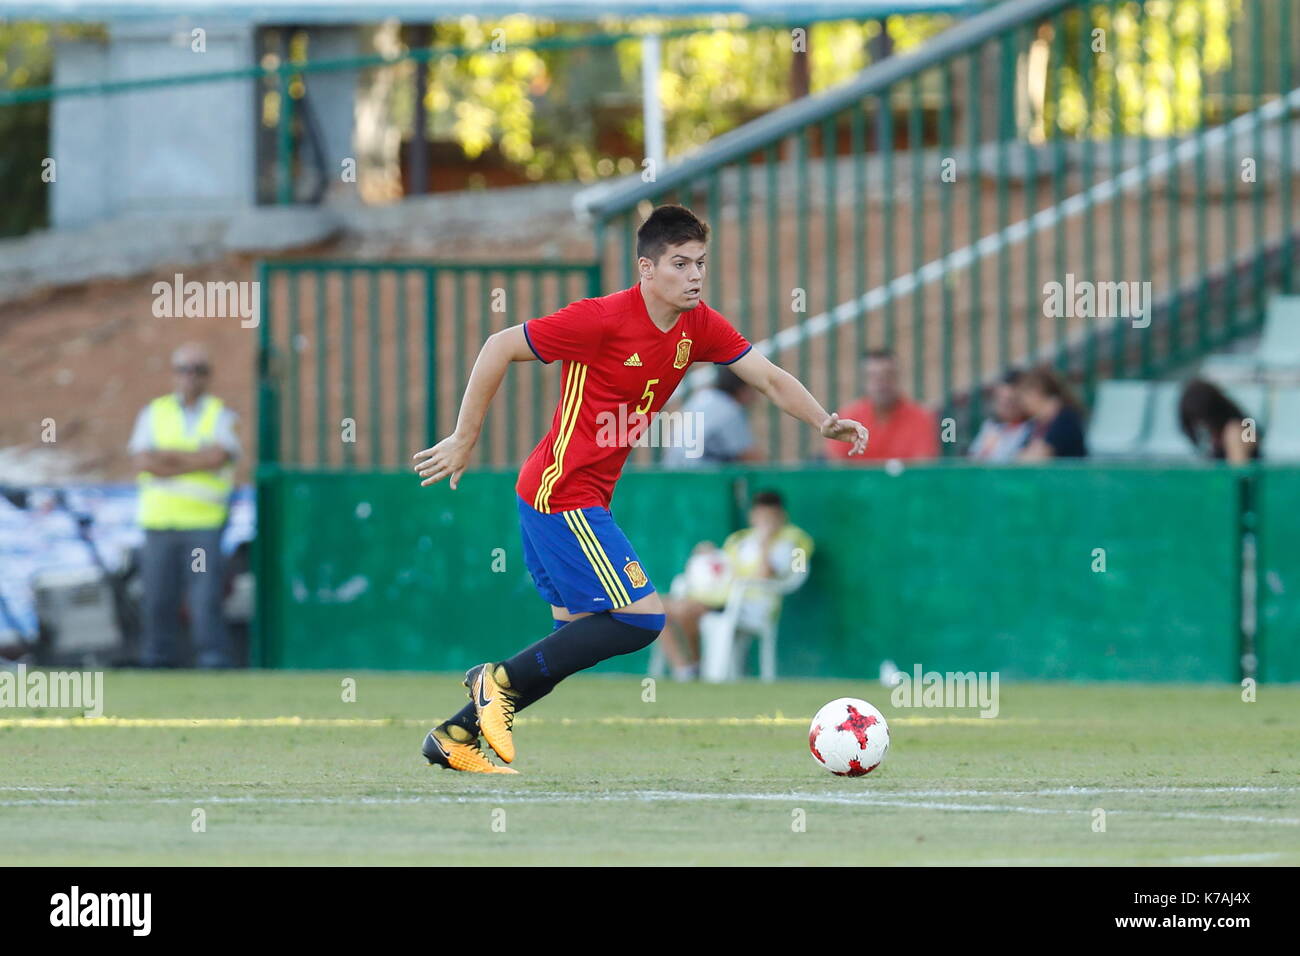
[609, 579]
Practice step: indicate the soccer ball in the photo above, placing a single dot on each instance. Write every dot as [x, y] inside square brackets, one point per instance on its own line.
[849, 737]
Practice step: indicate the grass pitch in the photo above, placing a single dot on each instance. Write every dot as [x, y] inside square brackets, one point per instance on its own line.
[285, 772]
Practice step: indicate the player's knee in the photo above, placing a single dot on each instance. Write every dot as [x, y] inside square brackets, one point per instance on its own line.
[642, 628]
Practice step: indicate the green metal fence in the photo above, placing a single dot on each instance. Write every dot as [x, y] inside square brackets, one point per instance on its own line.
[926, 205]
[361, 364]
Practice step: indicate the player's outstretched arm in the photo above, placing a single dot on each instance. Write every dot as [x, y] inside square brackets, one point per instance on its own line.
[789, 395]
[450, 457]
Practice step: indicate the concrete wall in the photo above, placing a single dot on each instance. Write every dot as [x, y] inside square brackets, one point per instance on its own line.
[181, 149]
[186, 150]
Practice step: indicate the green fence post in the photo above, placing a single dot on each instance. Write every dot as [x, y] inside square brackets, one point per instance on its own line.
[771, 157]
[1088, 138]
[431, 354]
[535, 368]
[347, 368]
[1057, 72]
[512, 383]
[801, 205]
[716, 237]
[916, 147]
[404, 451]
[1202, 207]
[860, 275]
[1006, 132]
[745, 262]
[322, 373]
[295, 398]
[885, 147]
[1145, 224]
[831, 254]
[1033, 294]
[1257, 192]
[975, 325]
[1230, 180]
[946, 201]
[375, 334]
[460, 321]
[1286, 125]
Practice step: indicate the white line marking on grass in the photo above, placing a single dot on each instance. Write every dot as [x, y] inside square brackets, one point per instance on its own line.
[895, 801]
[1090, 791]
[1228, 858]
[905, 802]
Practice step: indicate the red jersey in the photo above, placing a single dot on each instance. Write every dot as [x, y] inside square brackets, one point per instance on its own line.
[619, 370]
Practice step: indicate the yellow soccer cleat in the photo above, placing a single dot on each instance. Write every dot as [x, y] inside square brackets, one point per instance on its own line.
[495, 706]
[450, 746]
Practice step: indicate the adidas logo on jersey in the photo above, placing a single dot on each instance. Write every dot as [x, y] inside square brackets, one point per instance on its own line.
[634, 361]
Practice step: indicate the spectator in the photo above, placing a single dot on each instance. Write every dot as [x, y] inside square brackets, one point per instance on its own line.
[765, 549]
[1003, 435]
[898, 426]
[184, 446]
[1055, 415]
[1215, 424]
[724, 434]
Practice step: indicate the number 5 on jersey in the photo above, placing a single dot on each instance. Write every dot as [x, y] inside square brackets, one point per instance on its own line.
[649, 397]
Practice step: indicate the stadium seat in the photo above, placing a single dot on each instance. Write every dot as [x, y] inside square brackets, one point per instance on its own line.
[1119, 418]
[1280, 345]
[1164, 436]
[1282, 442]
[1277, 355]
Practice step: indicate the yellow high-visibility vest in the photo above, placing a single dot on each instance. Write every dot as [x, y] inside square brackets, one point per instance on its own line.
[196, 499]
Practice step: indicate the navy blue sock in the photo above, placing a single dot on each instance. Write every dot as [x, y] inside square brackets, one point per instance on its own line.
[467, 718]
[533, 672]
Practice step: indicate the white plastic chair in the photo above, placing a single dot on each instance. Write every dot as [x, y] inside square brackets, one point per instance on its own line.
[725, 635]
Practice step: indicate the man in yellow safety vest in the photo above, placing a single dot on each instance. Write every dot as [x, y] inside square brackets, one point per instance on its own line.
[184, 447]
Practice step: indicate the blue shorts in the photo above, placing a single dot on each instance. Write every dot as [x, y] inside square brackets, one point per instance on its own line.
[580, 560]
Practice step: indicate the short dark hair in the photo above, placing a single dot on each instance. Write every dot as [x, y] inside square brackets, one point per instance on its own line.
[668, 226]
[887, 354]
[770, 499]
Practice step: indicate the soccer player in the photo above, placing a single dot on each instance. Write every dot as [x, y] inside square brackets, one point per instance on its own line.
[623, 355]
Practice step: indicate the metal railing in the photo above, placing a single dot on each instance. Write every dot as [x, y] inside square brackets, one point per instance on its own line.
[363, 363]
[926, 205]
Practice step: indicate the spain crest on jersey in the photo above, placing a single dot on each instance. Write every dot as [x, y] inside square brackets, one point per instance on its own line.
[634, 573]
[683, 354]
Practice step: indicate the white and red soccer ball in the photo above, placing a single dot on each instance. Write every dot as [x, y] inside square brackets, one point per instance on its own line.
[849, 737]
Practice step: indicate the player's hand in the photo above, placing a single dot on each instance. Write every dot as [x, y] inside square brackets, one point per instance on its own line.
[846, 429]
[449, 457]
